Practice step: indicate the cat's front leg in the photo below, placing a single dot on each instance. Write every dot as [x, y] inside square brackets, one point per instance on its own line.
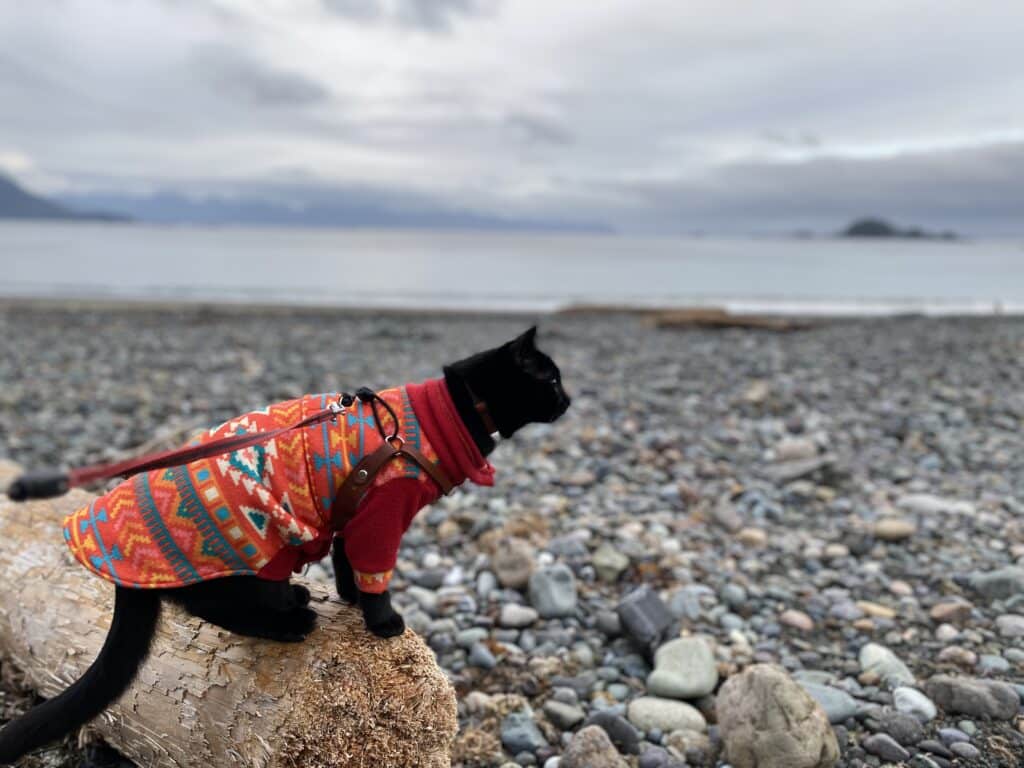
[344, 577]
[380, 617]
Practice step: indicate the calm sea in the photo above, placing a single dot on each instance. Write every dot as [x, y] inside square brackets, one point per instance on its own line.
[502, 271]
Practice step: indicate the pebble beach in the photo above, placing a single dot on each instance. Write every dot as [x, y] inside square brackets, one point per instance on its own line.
[738, 548]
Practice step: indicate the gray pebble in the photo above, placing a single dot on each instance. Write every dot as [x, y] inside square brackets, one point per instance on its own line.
[885, 747]
[965, 750]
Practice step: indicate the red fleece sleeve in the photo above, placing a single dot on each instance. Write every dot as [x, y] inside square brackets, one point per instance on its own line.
[373, 536]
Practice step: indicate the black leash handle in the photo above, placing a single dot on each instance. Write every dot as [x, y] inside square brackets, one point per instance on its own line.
[44, 484]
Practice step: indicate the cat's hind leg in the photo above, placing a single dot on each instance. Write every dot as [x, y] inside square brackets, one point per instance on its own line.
[248, 605]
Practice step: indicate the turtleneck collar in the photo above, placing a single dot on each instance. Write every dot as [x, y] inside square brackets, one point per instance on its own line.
[448, 433]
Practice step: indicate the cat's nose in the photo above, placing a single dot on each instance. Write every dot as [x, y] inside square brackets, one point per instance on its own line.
[563, 405]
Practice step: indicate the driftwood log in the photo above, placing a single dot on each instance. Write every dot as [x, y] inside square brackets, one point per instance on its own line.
[207, 698]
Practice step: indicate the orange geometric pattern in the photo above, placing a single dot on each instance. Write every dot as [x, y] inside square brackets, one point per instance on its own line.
[231, 514]
[372, 582]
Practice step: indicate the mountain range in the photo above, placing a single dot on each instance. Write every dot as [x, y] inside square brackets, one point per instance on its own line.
[352, 208]
[17, 203]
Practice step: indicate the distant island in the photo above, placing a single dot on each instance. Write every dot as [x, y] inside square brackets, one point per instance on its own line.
[875, 227]
[17, 203]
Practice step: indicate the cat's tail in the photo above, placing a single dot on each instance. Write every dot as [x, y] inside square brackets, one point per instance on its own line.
[135, 616]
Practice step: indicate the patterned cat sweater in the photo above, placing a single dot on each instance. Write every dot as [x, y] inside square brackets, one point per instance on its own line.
[266, 510]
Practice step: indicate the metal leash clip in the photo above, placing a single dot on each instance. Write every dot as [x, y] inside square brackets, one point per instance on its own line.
[337, 408]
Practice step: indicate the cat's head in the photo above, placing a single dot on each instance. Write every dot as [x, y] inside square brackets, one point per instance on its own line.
[540, 381]
[519, 383]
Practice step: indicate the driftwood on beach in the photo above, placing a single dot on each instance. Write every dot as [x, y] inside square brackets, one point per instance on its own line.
[721, 319]
[207, 698]
[713, 318]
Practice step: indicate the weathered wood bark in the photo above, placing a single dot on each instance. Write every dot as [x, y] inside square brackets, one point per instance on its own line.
[207, 698]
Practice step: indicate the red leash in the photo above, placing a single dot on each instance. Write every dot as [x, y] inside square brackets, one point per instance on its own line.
[48, 483]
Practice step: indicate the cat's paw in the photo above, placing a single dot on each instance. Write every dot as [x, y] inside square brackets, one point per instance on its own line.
[391, 626]
[300, 595]
[295, 625]
[381, 619]
[302, 620]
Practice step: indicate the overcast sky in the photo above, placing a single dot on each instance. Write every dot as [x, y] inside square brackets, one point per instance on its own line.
[651, 116]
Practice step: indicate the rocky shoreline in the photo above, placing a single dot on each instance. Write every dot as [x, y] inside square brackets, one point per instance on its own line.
[842, 503]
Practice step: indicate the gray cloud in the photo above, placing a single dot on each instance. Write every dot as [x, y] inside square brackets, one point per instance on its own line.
[535, 129]
[237, 75]
[427, 15]
[792, 139]
[359, 10]
[439, 14]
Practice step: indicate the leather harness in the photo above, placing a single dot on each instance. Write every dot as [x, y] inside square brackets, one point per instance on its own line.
[362, 474]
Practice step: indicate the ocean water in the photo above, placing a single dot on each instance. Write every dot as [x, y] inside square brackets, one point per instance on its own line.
[499, 271]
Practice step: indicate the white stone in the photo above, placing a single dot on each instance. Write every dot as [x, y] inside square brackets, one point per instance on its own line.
[927, 504]
[1010, 625]
[684, 668]
[795, 449]
[913, 702]
[517, 616]
[883, 662]
[609, 563]
[650, 712]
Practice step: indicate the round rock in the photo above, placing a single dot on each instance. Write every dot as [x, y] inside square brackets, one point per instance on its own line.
[609, 563]
[683, 669]
[650, 712]
[590, 747]
[623, 735]
[519, 733]
[913, 702]
[796, 620]
[766, 720]
[886, 747]
[480, 656]
[513, 563]
[894, 529]
[553, 591]
[1010, 625]
[517, 616]
[881, 661]
[564, 716]
[977, 698]
[839, 706]
[906, 729]
[965, 750]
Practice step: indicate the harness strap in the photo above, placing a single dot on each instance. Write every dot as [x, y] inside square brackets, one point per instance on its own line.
[363, 473]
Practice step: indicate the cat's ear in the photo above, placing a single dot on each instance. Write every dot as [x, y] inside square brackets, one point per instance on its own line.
[524, 342]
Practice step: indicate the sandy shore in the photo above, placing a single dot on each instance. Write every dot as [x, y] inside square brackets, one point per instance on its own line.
[791, 498]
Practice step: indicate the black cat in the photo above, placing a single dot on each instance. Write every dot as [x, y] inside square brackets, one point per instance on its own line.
[499, 390]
